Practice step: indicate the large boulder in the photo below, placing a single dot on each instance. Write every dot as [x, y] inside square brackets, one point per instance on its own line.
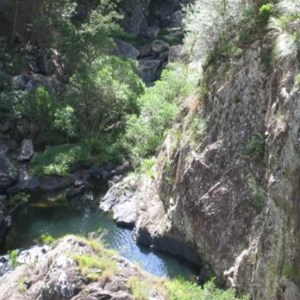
[8, 173]
[122, 202]
[159, 46]
[125, 49]
[135, 12]
[26, 151]
[149, 69]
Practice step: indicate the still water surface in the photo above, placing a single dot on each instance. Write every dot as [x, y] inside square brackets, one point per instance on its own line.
[82, 216]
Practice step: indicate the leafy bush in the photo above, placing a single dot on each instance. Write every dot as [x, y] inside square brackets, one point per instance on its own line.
[103, 93]
[13, 256]
[147, 167]
[47, 239]
[141, 290]
[158, 109]
[209, 23]
[285, 30]
[265, 12]
[94, 267]
[183, 290]
[58, 160]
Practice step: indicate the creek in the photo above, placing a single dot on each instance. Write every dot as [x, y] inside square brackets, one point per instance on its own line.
[57, 216]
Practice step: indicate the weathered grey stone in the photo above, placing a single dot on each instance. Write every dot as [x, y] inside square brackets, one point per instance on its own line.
[121, 201]
[177, 53]
[159, 46]
[125, 49]
[52, 83]
[4, 148]
[149, 69]
[145, 50]
[176, 19]
[20, 81]
[151, 32]
[5, 126]
[50, 184]
[26, 151]
[135, 15]
[8, 173]
[52, 273]
[5, 265]
[205, 193]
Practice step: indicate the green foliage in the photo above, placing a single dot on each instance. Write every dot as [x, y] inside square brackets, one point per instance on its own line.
[183, 290]
[64, 119]
[285, 29]
[255, 148]
[140, 289]
[215, 26]
[22, 287]
[288, 271]
[13, 256]
[265, 11]
[258, 194]
[147, 167]
[47, 239]
[158, 109]
[103, 93]
[58, 160]
[179, 289]
[94, 267]
[196, 129]
[42, 108]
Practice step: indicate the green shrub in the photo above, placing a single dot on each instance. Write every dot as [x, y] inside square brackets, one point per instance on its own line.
[94, 267]
[13, 256]
[58, 160]
[284, 30]
[140, 289]
[47, 239]
[183, 290]
[147, 167]
[265, 11]
[22, 286]
[103, 93]
[255, 148]
[158, 109]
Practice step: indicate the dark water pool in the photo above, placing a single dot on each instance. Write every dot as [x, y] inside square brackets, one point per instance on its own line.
[82, 216]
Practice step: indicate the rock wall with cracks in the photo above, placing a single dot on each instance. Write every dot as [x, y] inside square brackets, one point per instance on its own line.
[218, 199]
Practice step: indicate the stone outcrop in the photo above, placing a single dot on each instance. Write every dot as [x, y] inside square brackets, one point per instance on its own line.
[8, 174]
[56, 273]
[232, 193]
[26, 151]
[122, 200]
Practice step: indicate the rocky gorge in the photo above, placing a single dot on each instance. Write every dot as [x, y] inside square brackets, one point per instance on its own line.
[223, 188]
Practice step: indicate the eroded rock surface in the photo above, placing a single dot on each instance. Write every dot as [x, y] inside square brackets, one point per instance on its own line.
[232, 193]
[122, 200]
[57, 274]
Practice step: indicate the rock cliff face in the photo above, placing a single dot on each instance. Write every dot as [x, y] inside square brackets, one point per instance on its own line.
[230, 195]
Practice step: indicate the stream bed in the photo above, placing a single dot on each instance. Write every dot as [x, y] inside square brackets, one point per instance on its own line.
[82, 216]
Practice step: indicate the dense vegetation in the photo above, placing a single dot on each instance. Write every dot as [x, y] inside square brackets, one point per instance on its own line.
[104, 112]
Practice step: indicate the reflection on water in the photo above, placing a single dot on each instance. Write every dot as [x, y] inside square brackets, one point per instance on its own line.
[82, 217]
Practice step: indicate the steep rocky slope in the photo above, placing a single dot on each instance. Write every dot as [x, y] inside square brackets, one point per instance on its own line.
[77, 268]
[230, 196]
